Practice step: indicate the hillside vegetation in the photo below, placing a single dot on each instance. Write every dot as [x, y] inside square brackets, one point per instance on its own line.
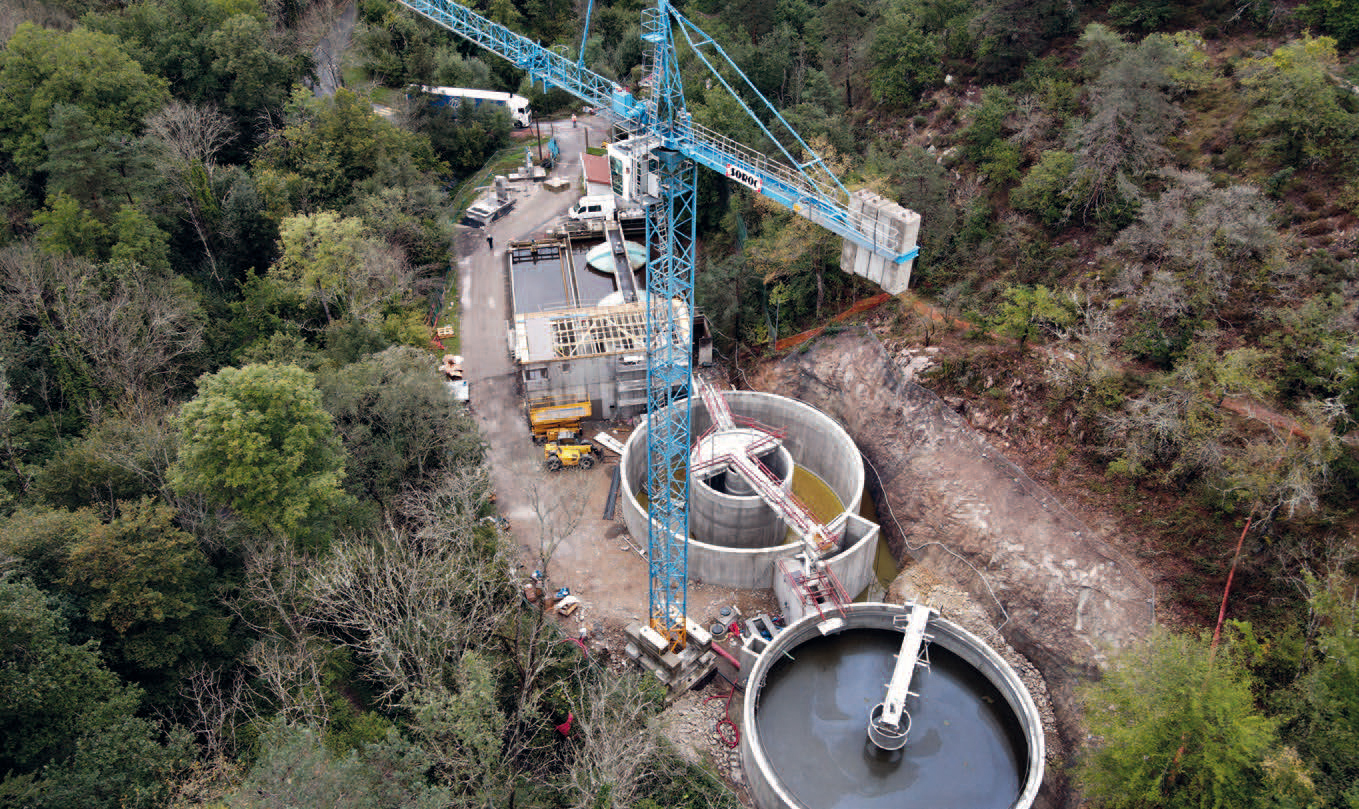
[243, 530]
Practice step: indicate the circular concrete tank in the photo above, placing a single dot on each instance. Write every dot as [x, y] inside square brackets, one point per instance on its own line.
[976, 739]
[720, 522]
[723, 508]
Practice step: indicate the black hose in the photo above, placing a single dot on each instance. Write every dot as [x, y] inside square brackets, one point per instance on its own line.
[612, 499]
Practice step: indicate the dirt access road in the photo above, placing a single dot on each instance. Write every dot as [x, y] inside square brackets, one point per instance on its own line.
[560, 514]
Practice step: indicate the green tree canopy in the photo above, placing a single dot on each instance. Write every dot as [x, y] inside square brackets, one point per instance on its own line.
[1175, 727]
[72, 736]
[394, 415]
[332, 145]
[905, 58]
[40, 68]
[1300, 109]
[335, 260]
[219, 52]
[256, 439]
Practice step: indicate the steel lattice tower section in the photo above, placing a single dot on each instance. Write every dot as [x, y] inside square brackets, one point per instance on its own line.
[670, 287]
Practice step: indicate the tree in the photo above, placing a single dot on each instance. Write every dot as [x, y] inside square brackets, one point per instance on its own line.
[1175, 726]
[1045, 190]
[64, 226]
[81, 743]
[41, 68]
[256, 439]
[1299, 106]
[843, 22]
[1211, 243]
[1028, 311]
[188, 139]
[1285, 471]
[296, 771]
[331, 259]
[1130, 114]
[213, 53]
[397, 425]
[616, 745]
[411, 601]
[1171, 431]
[142, 584]
[905, 59]
[1008, 33]
[1335, 17]
[333, 146]
[101, 170]
[1324, 724]
[118, 331]
[149, 582]
[462, 729]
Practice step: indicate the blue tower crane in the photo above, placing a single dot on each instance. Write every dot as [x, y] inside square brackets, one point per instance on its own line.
[672, 146]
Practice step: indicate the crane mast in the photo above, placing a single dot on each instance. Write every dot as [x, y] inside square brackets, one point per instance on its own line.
[668, 147]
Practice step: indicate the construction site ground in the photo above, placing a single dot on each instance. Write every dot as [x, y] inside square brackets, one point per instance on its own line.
[981, 540]
[558, 515]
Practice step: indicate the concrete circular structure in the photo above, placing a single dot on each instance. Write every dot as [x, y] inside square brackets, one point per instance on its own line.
[976, 739]
[723, 507]
[733, 543]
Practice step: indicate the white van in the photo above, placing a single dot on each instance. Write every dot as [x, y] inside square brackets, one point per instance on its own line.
[598, 207]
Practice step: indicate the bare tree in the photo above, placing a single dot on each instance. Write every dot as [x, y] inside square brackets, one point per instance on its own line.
[1288, 471]
[616, 743]
[190, 138]
[411, 601]
[190, 134]
[557, 512]
[10, 410]
[126, 335]
[216, 704]
[287, 660]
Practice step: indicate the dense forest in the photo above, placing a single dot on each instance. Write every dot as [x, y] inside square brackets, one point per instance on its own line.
[245, 557]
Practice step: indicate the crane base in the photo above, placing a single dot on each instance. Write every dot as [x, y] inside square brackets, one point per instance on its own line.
[677, 670]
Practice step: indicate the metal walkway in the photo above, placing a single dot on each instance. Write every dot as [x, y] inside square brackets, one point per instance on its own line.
[745, 462]
[885, 725]
[622, 265]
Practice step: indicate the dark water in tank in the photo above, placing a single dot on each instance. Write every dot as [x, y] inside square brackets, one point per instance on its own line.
[965, 749]
[543, 283]
[594, 284]
[539, 285]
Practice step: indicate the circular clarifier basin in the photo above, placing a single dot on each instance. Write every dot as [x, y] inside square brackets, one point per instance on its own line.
[975, 739]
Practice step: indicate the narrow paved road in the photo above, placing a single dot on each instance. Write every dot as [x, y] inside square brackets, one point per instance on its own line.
[592, 558]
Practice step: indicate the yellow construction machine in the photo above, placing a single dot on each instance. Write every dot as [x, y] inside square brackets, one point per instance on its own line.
[556, 455]
[553, 422]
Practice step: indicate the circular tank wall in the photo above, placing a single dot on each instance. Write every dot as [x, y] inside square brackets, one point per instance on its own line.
[976, 739]
[724, 509]
[814, 441]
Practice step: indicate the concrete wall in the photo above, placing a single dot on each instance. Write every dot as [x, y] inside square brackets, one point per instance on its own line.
[762, 774]
[853, 567]
[574, 380]
[738, 520]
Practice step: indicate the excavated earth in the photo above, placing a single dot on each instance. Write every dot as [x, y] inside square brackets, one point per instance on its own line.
[1060, 595]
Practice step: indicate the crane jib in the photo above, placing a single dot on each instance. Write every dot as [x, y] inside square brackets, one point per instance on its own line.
[749, 179]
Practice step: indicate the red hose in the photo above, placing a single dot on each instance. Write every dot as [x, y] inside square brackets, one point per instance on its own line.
[731, 737]
[727, 655]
